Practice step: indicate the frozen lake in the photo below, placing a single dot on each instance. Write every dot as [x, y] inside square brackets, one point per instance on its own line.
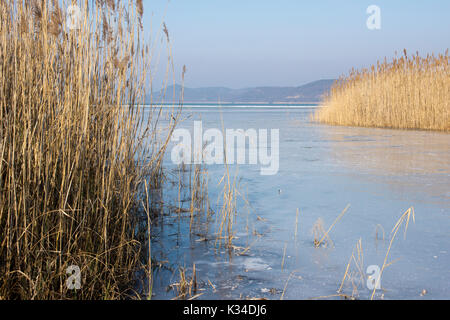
[380, 173]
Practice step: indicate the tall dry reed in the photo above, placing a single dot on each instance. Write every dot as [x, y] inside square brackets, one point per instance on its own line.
[410, 92]
[76, 150]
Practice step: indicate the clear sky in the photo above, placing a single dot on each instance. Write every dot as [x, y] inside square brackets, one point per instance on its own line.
[245, 43]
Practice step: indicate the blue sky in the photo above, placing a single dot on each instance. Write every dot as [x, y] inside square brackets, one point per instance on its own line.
[245, 43]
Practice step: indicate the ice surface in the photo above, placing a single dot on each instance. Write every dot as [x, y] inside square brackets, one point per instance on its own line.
[379, 172]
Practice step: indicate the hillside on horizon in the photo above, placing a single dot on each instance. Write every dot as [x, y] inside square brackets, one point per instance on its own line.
[308, 93]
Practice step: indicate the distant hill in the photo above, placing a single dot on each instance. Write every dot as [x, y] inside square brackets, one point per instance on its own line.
[308, 93]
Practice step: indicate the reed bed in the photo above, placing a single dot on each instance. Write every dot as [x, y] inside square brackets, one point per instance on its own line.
[77, 155]
[410, 92]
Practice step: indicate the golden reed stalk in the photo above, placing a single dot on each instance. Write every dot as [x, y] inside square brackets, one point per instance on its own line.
[75, 149]
[407, 93]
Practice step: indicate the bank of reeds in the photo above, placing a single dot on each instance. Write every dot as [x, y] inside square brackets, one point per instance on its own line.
[75, 149]
[410, 92]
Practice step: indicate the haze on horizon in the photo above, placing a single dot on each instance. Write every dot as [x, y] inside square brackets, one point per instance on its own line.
[239, 44]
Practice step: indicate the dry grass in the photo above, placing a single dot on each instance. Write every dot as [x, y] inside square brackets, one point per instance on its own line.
[74, 148]
[287, 282]
[403, 220]
[356, 276]
[320, 236]
[228, 209]
[186, 287]
[198, 186]
[411, 92]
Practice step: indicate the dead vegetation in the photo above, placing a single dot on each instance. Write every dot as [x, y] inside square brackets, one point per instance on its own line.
[320, 236]
[77, 155]
[355, 271]
[410, 92]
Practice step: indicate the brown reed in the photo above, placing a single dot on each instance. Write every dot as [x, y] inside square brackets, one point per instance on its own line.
[74, 150]
[410, 92]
